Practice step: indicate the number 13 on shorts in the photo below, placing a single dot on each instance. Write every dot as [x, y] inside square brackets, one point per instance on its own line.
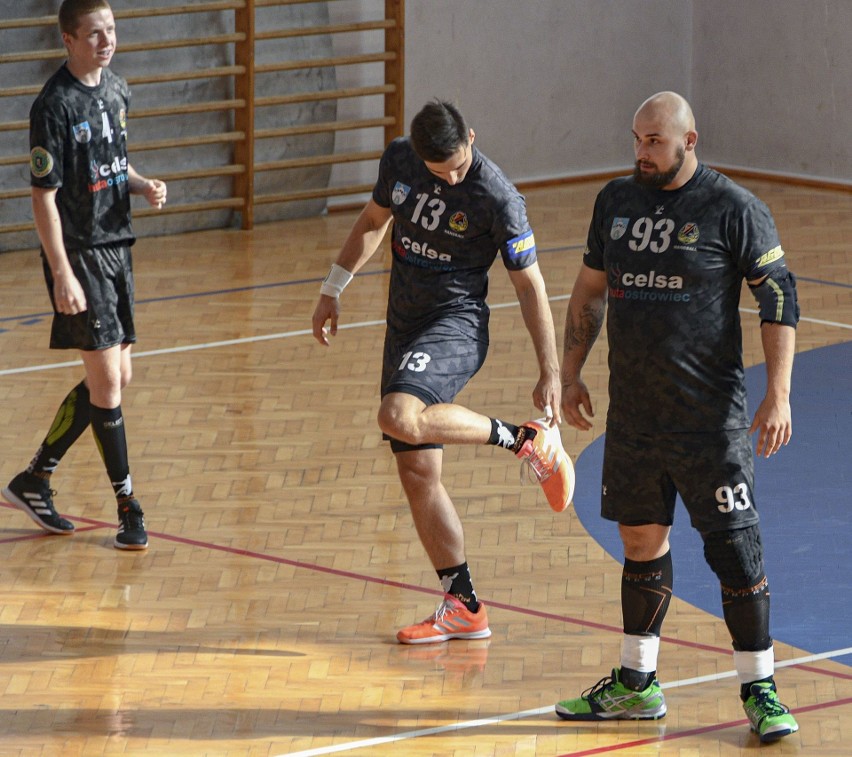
[414, 361]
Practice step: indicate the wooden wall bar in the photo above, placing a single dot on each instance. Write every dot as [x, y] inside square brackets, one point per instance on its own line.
[241, 42]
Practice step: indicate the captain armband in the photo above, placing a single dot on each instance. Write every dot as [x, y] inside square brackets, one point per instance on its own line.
[336, 281]
[776, 297]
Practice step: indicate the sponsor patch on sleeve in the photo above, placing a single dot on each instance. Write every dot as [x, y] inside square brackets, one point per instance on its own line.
[41, 162]
[776, 253]
[522, 245]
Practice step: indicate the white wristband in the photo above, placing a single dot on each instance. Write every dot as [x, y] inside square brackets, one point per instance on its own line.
[336, 281]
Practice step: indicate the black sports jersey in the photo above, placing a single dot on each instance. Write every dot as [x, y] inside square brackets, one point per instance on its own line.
[675, 263]
[445, 238]
[78, 144]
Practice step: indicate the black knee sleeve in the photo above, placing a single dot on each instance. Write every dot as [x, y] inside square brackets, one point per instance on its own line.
[736, 557]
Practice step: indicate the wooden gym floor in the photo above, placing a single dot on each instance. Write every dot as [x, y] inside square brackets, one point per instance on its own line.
[282, 557]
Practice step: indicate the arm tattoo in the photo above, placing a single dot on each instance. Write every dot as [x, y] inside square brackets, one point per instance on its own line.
[584, 333]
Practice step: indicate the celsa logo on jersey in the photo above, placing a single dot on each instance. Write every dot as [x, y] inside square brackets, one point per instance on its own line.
[424, 250]
[650, 287]
[522, 245]
[107, 174]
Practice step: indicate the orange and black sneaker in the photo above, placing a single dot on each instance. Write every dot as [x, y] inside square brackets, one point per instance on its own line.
[545, 456]
[452, 620]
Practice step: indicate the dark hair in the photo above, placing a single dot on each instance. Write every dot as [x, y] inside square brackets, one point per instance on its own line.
[438, 131]
[71, 10]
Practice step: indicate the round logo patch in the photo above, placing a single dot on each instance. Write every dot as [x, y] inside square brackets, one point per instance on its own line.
[688, 234]
[458, 222]
[41, 162]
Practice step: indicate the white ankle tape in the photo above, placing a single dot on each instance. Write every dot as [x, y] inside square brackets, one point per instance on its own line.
[640, 652]
[754, 666]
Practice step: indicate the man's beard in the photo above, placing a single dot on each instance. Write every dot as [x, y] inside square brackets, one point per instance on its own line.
[663, 179]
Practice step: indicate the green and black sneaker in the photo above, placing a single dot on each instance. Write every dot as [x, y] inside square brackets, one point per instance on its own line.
[609, 699]
[770, 719]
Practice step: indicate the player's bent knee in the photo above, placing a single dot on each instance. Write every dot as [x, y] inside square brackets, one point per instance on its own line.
[399, 416]
[736, 557]
[396, 423]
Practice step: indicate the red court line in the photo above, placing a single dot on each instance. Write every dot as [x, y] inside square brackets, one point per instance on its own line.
[695, 731]
[397, 584]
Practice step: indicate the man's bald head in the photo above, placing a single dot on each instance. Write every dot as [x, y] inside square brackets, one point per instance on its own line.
[670, 108]
[664, 141]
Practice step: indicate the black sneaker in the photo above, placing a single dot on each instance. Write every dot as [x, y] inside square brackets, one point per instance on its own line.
[131, 526]
[33, 495]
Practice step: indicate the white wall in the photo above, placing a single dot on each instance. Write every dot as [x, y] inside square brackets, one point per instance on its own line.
[773, 85]
[550, 86]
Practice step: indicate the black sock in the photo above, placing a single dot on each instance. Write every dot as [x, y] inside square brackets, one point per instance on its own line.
[457, 583]
[508, 436]
[70, 422]
[636, 680]
[108, 427]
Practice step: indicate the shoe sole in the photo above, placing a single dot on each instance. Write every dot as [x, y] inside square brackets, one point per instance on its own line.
[447, 637]
[24, 507]
[768, 738]
[605, 716]
[130, 547]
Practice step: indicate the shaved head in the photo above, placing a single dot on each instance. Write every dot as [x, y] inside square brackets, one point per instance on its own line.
[664, 141]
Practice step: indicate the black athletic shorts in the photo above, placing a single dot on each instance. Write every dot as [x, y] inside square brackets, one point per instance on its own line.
[106, 275]
[433, 365]
[712, 472]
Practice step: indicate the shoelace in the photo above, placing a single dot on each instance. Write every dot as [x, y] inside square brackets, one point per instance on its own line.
[51, 493]
[598, 687]
[443, 608]
[47, 494]
[769, 704]
[536, 468]
[134, 519]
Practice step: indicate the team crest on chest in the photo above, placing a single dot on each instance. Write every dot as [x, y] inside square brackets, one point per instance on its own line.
[619, 227]
[82, 132]
[458, 222]
[400, 192]
[688, 234]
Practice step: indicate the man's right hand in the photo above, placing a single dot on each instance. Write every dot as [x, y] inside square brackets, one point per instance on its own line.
[327, 309]
[68, 296]
[575, 399]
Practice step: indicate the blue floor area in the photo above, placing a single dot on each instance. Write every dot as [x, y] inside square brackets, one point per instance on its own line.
[804, 496]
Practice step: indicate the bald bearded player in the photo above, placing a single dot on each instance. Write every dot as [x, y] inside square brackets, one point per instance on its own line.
[668, 249]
